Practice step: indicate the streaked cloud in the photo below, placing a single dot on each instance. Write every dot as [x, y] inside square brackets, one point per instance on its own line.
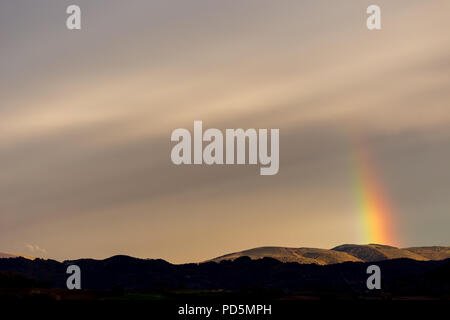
[35, 249]
[86, 118]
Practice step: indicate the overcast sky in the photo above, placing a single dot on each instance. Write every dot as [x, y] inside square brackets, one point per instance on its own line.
[86, 118]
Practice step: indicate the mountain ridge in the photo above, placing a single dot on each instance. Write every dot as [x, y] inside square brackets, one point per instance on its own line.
[304, 255]
[400, 276]
[339, 254]
[5, 255]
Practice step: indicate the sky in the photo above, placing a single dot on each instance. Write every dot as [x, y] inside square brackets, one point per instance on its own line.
[86, 118]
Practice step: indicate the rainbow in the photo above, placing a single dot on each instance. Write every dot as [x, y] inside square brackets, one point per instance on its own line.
[373, 207]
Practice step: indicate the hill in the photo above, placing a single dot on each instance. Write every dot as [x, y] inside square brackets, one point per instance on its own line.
[432, 253]
[340, 254]
[4, 255]
[299, 255]
[378, 252]
[119, 273]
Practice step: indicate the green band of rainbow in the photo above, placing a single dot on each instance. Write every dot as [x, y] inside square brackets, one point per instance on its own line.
[376, 217]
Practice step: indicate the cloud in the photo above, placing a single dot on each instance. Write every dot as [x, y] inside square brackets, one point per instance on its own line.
[85, 132]
[35, 249]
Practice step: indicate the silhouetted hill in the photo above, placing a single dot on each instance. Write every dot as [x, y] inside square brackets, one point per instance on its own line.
[399, 276]
[14, 280]
[13, 255]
